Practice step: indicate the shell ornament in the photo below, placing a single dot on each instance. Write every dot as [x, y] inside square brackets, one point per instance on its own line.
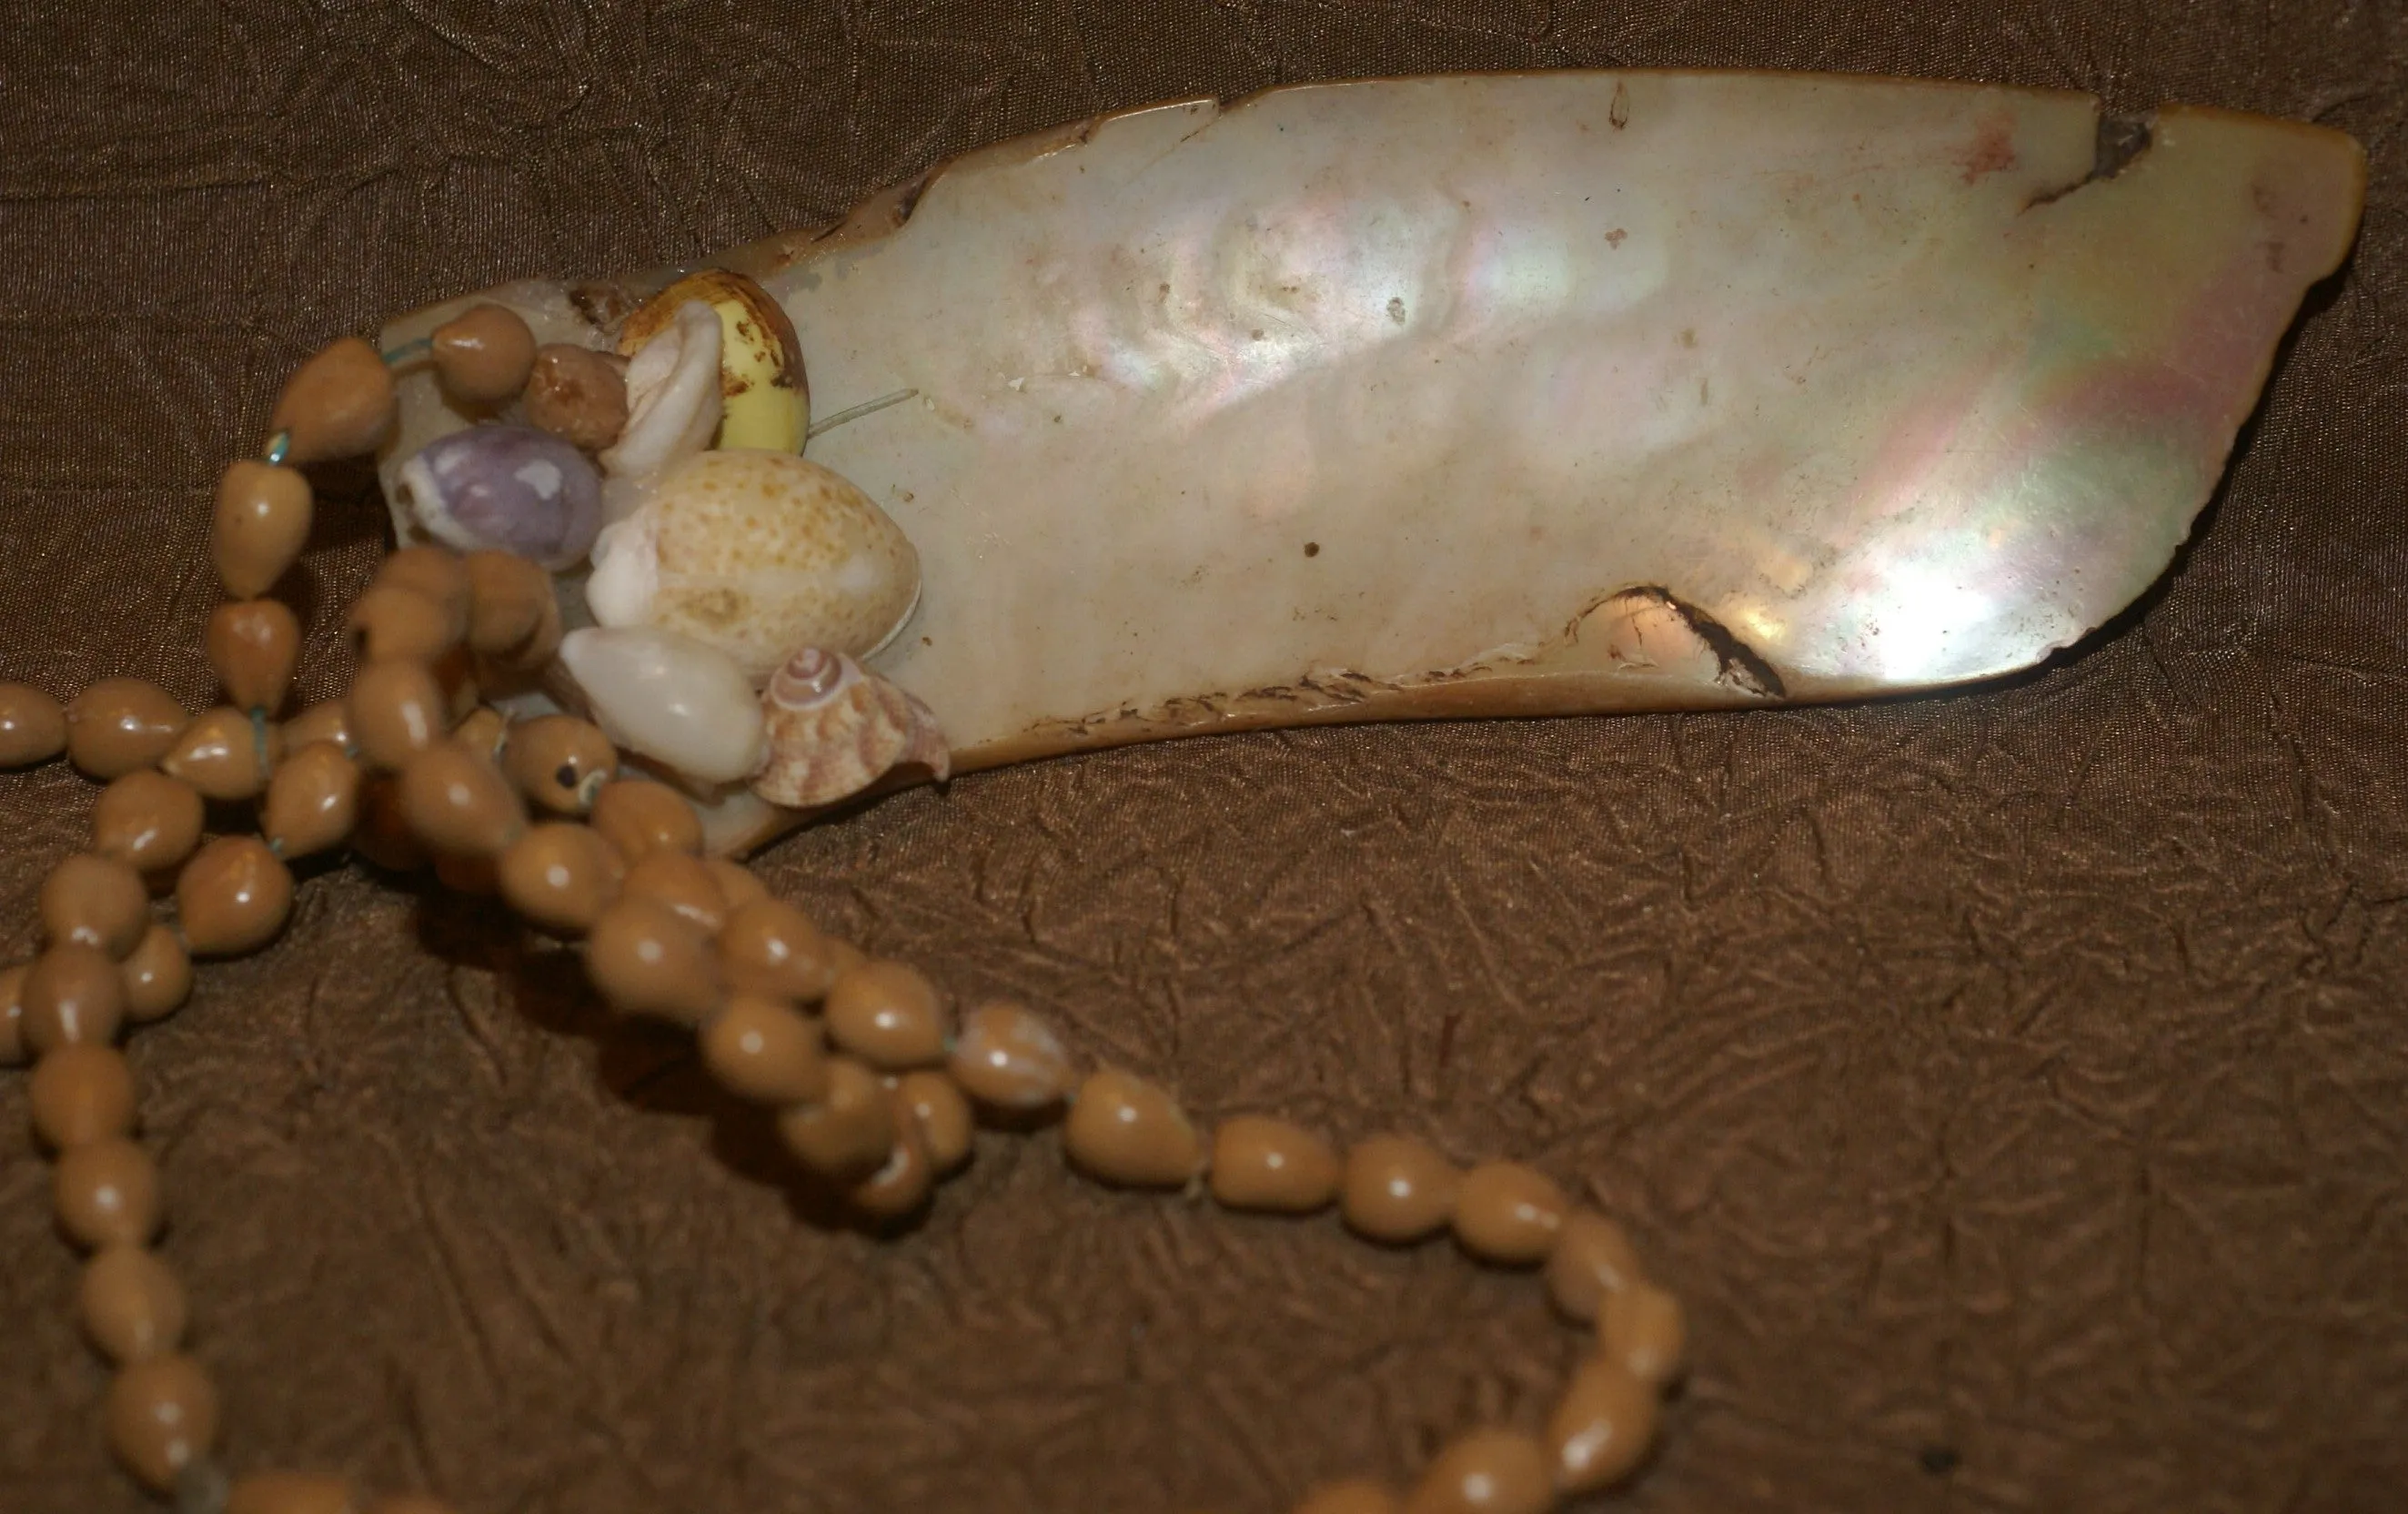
[834, 729]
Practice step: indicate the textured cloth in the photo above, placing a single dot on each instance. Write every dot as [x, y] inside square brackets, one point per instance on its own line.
[2013, 1084]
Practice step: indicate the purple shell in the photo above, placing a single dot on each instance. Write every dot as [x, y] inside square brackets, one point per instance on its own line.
[510, 488]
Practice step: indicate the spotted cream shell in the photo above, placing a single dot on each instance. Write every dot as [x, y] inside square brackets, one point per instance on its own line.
[834, 729]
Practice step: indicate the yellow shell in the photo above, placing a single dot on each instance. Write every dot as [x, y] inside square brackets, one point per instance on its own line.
[834, 729]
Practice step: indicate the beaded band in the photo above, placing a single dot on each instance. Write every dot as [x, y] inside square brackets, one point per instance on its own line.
[876, 1089]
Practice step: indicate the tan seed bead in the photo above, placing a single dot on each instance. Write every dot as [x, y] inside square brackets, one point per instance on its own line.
[94, 900]
[313, 802]
[72, 995]
[437, 572]
[943, 1114]
[759, 1050]
[225, 755]
[889, 1015]
[163, 1415]
[147, 819]
[1397, 1189]
[1509, 1213]
[558, 761]
[233, 895]
[482, 731]
[577, 395]
[119, 725]
[648, 960]
[1270, 1165]
[682, 883]
[397, 710]
[1489, 1470]
[1592, 1258]
[1644, 1329]
[396, 623]
[769, 947]
[328, 721]
[848, 1132]
[12, 1014]
[291, 1493]
[1125, 1131]
[1355, 1495]
[253, 645]
[902, 1185]
[261, 523]
[1601, 1430]
[507, 600]
[459, 803]
[637, 815]
[33, 726]
[483, 356]
[736, 883]
[158, 976]
[79, 1094]
[382, 832]
[1007, 1057]
[560, 876]
[108, 1193]
[844, 957]
[131, 1305]
[338, 404]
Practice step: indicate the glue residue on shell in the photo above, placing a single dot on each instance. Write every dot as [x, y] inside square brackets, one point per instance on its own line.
[758, 552]
[834, 729]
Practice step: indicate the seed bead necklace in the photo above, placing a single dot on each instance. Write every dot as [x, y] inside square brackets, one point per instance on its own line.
[876, 1085]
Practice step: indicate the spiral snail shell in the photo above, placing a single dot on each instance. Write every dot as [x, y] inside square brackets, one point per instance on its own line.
[834, 729]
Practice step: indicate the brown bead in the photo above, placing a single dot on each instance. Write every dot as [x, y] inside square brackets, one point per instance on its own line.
[483, 356]
[759, 1050]
[901, 1184]
[459, 803]
[1007, 1057]
[478, 875]
[1355, 1495]
[437, 572]
[81, 1094]
[72, 995]
[1490, 1470]
[737, 883]
[648, 960]
[397, 711]
[1600, 1431]
[508, 600]
[1509, 1213]
[158, 976]
[313, 802]
[848, 1132]
[577, 395]
[119, 725]
[1397, 1189]
[94, 900]
[12, 1014]
[396, 623]
[33, 726]
[844, 957]
[1270, 1164]
[262, 520]
[637, 815]
[559, 761]
[108, 1193]
[382, 833]
[291, 1493]
[935, 1103]
[225, 754]
[163, 1415]
[131, 1305]
[232, 897]
[769, 947]
[338, 404]
[1643, 1327]
[1126, 1131]
[253, 646]
[1591, 1258]
[481, 732]
[147, 819]
[889, 1015]
[328, 721]
[682, 883]
[560, 876]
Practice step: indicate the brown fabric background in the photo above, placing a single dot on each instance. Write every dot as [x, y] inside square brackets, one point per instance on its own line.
[2018, 1077]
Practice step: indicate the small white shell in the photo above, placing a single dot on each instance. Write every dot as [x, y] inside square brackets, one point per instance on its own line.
[673, 397]
[758, 552]
[668, 698]
[835, 729]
